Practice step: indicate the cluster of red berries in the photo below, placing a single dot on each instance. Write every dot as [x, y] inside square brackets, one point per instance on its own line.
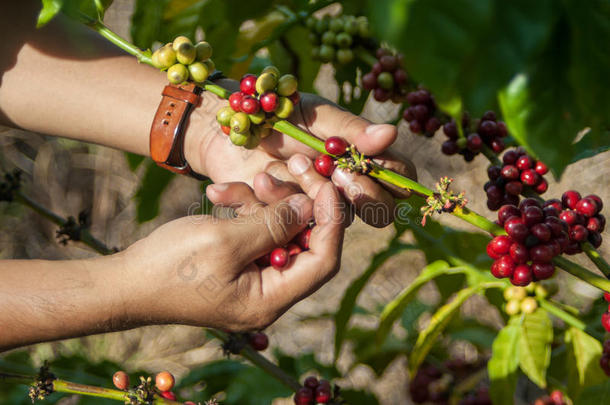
[535, 236]
[334, 38]
[487, 131]
[606, 317]
[314, 392]
[604, 361]
[164, 382]
[421, 113]
[556, 398]
[184, 61]
[582, 214]
[387, 78]
[325, 164]
[279, 258]
[507, 182]
[260, 102]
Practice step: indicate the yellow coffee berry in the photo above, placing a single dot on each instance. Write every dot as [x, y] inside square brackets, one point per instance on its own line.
[204, 51]
[177, 73]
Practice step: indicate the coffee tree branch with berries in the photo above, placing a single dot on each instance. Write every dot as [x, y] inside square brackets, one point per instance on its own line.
[544, 342]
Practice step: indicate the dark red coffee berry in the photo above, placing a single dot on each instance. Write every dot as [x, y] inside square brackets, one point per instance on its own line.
[519, 253]
[304, 396]
[450, 130]
[600, 203]
[578, 233]
[311, 382]
[514, 187]
[555, 203]
[369, 81]
[530, 177]
[325, 165]
[250, 105]
[587, 207]
[474, 142]
[335, 145]
[505, 266]
[258, 340]
[248, 84]
[235, 101]
[506, 212]
[501, 244]
[594, 225]
[570, 198]
[541, 231]
[541, 187]
[269, 101]
[522, 275]
[529, 202]
[488, 128]
[595, 239]
[542, 271]
[510, 172]
[303, 238]
[322, 394]
[492, 253]
[541, 253]
[510, 157]
[279, 258]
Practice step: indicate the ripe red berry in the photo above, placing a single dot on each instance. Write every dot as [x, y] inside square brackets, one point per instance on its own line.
[304, 396]
[516, 229]
[495, 193]
[578, 233]
[311, 382]
[432, 125]
[381, 95]
[491, 252]
[335, 145]
[557, 397]
[541, 168]
[415, 126]
[570, 198]
[303, 238]
[322, 394]
[450, 130]
[541, 187]
[120, 379]
[510, 172]
[501, 244]
[258, 340]
[449, 147]
[279, 258]
[474, 142]
[572, 248]
[389, 63]
[569, 217]
[293, 249]
[530, 177]
[541, 253]
[248, 84]
[421, 112]
[505, 266]
[606, 321]
[269, 101]
[522, 275]
[556, 225]
[607, 298]
[164, 381]
[600, 203]
[519, 253]
[250, 105]
[514, 187]
[168, 395]
[555, 203]
[542, 271]
[541, 231]
[594, 225]
[587, 207]
[400, 76]
[524, 162]
[325, 165]
[510, 157]
[235, 101]
[595, 239]
[506, 212]
[369, 81]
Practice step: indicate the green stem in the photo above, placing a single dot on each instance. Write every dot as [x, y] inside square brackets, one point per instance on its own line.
[293, 131]
[491, 156]
[561, 314]
[142, 56]
[216, 89]
[260, 361]
[365, 56]
[582, 273]
[596, 258]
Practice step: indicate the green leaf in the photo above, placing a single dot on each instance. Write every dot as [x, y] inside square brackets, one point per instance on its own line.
[50, 8]
[378, 357]
[584, 353]
[503, 365]
[472, 331]
[359, 397]
[595, 395]
[133, 160]
[535, 345]
[146, 22]
[393, 309]
[149, 193]
[439, 321]
[348, 302]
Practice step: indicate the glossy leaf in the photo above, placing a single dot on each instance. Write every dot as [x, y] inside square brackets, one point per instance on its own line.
[584, 353]
[535, 345]
[504, 363]
[595, 395]
[50, 8]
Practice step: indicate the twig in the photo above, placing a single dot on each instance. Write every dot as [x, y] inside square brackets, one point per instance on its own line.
[561, 314]
[596, 258]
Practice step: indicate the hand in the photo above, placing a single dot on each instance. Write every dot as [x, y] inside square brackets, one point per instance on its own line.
[200, 270]
[214, 155]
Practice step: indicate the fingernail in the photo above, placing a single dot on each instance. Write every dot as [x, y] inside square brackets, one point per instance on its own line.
[297, 202]
[220, 187]
[342, 178]
[298, 165]
[374, 129]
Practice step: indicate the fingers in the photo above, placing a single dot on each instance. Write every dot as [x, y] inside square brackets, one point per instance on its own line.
[312, 268]
[236, 195]
[301, 168]
[269, 189]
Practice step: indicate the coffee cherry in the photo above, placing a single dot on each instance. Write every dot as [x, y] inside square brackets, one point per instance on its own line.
[516, 229]
[225, 129]
[449, 147]
[120, 379]
[385, 80]
[541, 253]
[529, 305]
[238, 139]
[186, 53]
[257, 118]
[570, 198]
[164, 381]
[311, 382]
[269, 101]
[541, 168]
[255, 137]
[521, 275]
[492, 253]
[506, 212]
[505, 266]
[343, 40]
[335, 145]
[501, 244]
[250, 105]
[543, 271]
[512, 307]
[258, 340]
[203, 50]
[210, 64]
[271, 69]
[587, 207]
[284, 108]
[165, 58]
[168, 395]
[198, 72]
[247, 84]
[286, 85]
[345, 56]
[514, 187]
[178, 41]
[235, 101]
[606, 321]
[177, 73]
[530, 177]
[304, 396]
[598, 201]
[322, 394]
[519, 253]
[223, 116]
[578, 233]
[279, 258]
[327, 53]
[510, 172]
[303, 237]
[369, 81]
[474, 142]
[514, 293]
[266, 82]
[541, 231]
[240, 123]
[325, 165]
[295, 98]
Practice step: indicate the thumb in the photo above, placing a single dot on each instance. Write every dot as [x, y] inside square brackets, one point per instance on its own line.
[268, 227]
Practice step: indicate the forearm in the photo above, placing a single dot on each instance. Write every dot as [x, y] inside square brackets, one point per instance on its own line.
[50, 300]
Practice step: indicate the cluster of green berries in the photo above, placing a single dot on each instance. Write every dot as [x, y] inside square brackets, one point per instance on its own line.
[184, 61]
[519, 300]
[334, 38]
[259, 103]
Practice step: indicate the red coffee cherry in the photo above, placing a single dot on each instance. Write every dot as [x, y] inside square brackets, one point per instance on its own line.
[120, 379]
[325, 165]
[530, 177]
[521, 276]
[311, 382]
[335, 145]
[516, 229]
[505, 266]
[578, 233]
[269, 101]
[168, 395]
[304, 396]
[248, 84]
[225, 129]
[606, 321]
[279, 258]
[570, 198]
[519, 253]
[322, 394]
[293, 249]
[258, 340]
[235, 101]
[600, 203]
[506, 212]
[250, 105]
[587, 207]
[164, 381]
[303, 238]
[501, 244]
[542, 271]
[541, 168]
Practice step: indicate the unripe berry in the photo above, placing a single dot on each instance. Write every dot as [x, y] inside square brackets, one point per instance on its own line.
[385, 80]
[259, 341]
[529, 305]
[325, 165]
[514, 293]
[247, 84]
[120, 379]
[164, 381]
[238, 139]
[165, 58]
[223, 116]
[265, 82]
[186, 53]
[336, 25]
[287, 85]
[327, 53]
[284, 108]
[271, 69]
[345, 56]
[255, 137]
[199, 72]
[257, 118]
[328, 38]
[177, 73]
[351, 25]
[363, 27]
[240, 123]
[279, 258]
[343, 40]
[203, 50]
[210, 64]
[512, 307]
[178, 41]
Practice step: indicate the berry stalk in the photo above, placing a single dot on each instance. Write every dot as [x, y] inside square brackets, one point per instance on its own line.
[561, 314]
[582, 273]
[596, 258]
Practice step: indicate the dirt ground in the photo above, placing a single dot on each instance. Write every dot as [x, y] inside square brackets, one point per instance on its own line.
[68, 176]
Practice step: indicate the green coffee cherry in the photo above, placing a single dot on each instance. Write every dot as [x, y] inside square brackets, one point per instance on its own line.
[257, 118]
[314, 38]
[287, 85]
[179, 41]
[254, 139]
[336, 25]
[327, 53]
[265, 82]
[322, 24]
[345, 56]
[310, 22]
[461, 142]
[328, 38]
[284, 108]
[343, 40]
[272, 69]
[211, 66]
[315, 53]
[155, 60]
[223, 116]
[199, 72]
[385, 80]
[529, 305]
[204, 51]
[363, 27]
[238, 139]
[514, 293]
[186, 53]
[541, 291]
[166, 57]
[351, 25]
[240, 123]
[530, 288]
[177, 73]
[512, 307]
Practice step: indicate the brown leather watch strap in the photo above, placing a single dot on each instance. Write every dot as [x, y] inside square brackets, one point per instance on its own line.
[168, 127]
